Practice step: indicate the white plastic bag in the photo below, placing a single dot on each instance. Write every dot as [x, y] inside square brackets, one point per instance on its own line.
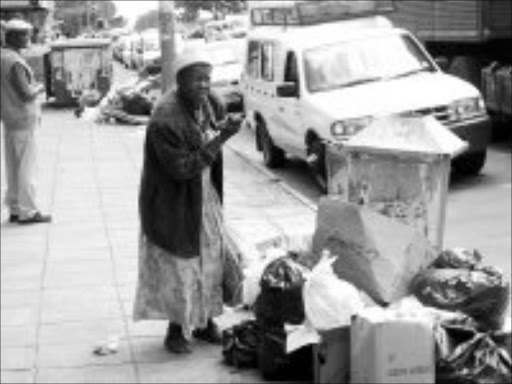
[298, 336]
[329, 302]
[91, 114]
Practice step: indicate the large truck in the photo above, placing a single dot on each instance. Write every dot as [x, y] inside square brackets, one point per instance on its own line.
[472, 38]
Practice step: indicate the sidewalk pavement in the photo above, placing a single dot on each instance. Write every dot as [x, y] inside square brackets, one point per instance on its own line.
[68, 285]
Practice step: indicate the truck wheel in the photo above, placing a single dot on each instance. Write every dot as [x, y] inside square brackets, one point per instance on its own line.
[316, 163]
[471, 164]
[467, 68]
[273, 156]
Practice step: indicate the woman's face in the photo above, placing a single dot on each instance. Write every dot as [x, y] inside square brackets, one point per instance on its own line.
[194, 82]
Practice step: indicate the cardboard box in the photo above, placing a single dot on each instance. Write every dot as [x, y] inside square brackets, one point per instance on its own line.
[389, 348]
[331, 357]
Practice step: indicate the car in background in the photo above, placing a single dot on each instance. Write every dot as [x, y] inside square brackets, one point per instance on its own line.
[148, 55]
[147, 48]
[239, 26]
[215, 30]
[119, 47]
[129, 49]
[227, 57]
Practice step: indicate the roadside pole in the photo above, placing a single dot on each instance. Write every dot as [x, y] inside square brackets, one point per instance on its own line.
[87, 16]
[167, 26]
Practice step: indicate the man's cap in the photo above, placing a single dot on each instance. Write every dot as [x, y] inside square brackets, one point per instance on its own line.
[189, 57]
[17, 25]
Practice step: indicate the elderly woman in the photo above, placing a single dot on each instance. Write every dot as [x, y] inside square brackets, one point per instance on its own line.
[182, 233]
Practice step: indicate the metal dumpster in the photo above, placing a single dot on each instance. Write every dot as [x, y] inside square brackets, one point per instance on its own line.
[400, 168]
[79, 65]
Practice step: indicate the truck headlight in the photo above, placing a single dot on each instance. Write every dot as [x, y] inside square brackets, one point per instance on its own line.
[349, 127]
[466, 108]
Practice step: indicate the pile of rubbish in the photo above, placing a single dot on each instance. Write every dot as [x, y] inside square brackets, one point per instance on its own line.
[403, 312]
[131, 103]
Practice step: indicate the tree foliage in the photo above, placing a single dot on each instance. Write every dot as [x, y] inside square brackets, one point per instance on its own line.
[224, 6]
[147, 20]
[80, 15]
[191, 9]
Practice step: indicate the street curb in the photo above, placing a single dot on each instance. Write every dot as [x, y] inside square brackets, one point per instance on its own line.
[297, 195]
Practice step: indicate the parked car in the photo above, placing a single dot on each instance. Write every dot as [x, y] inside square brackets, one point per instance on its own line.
[119, 46]
[148, 54]
[129, 50]
[216, 30]
[227, 57]
[147, 48]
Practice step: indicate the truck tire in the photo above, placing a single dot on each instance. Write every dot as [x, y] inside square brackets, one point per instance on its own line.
[470, 164]
[273, 157]
[316, 163]
[467, 68]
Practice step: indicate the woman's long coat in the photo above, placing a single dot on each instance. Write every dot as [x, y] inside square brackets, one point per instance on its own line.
[170, 198]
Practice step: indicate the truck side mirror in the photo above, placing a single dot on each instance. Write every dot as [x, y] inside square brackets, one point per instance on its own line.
[442, 62]
[287, 89]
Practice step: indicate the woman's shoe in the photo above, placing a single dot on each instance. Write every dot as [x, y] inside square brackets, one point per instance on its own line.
[210, 334]
[174, 341]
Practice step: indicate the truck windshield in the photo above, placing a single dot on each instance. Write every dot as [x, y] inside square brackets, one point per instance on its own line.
[363, 61]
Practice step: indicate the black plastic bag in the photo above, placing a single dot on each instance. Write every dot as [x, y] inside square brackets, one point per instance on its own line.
[457, 258]
[240, 344]
[482, 294]
[283, 273]
[135, 103]
[466, 356]
[280, 300]
[275, 364]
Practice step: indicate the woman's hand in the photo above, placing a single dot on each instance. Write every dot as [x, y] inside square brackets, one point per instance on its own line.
[230, 126]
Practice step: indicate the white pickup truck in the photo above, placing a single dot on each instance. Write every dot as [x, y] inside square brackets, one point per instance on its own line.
[306, 85]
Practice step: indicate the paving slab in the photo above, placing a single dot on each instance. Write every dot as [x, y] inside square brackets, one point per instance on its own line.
[91, 374]
[17, 376]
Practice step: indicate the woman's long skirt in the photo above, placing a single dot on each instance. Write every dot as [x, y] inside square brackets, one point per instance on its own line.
[186, 291]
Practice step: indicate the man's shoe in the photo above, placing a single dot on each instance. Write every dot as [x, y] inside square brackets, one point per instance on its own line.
[38, 217]
[13, 218]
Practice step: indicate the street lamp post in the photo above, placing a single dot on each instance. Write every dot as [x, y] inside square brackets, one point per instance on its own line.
[87, 16]
[167, 43]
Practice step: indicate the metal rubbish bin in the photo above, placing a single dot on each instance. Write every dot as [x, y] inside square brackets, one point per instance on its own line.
[80, 65]
[398, 167]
